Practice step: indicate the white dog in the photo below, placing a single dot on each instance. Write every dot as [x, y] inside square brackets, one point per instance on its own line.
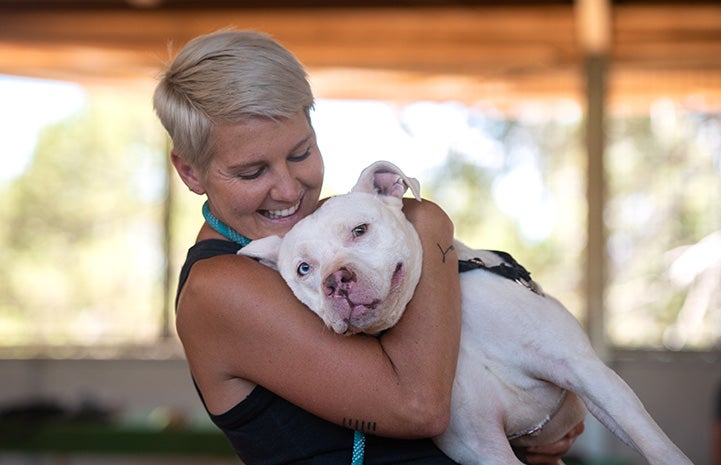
[525, 367]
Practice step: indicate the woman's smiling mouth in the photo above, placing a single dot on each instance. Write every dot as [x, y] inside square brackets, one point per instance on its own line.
[277, 214]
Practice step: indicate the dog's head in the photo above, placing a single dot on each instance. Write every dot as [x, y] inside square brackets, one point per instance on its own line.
[356, 260]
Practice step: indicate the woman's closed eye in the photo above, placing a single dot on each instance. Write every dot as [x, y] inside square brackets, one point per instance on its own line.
[249, 175]
[301, 157]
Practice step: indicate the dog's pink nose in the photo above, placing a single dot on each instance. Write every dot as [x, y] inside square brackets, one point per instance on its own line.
[339, 283]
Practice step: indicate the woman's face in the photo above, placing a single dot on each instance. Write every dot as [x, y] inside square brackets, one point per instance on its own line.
[265, 175]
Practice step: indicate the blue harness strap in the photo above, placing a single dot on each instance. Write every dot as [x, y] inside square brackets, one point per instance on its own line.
[359, 444]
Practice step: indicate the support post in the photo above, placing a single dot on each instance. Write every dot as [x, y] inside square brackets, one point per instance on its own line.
[595, 260]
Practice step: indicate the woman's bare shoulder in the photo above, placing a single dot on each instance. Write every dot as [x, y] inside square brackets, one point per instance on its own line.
[224, 314]
[225, 291]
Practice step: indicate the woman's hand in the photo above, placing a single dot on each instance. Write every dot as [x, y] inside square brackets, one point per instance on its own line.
[551, 454]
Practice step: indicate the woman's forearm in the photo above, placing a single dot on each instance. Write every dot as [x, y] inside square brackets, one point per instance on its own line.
[423, 346]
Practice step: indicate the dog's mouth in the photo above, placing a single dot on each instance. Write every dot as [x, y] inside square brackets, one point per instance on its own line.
[360, 315]
[357, 315]
[397, 277]
[360, 309]
[363, 314]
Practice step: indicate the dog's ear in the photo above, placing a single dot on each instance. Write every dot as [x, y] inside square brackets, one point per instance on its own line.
[265, 250]
[385, 178]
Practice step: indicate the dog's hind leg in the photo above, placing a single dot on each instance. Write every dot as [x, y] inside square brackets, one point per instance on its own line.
[618, 408]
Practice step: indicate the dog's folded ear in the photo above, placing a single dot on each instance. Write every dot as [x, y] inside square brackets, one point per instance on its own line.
[385, 178]
[264, 250]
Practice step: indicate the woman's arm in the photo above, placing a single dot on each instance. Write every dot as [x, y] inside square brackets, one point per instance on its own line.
[239, 322]
[424, 343]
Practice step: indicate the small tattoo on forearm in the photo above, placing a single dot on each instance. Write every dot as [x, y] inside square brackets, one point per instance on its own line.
[444, 252]
[360, 425]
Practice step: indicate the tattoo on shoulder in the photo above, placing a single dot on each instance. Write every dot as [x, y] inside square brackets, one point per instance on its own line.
[363, 426]
[444, 252]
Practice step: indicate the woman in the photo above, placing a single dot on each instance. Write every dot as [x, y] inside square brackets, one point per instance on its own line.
[282, 387]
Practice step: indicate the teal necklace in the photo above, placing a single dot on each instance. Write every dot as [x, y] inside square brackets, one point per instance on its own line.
[222, 228]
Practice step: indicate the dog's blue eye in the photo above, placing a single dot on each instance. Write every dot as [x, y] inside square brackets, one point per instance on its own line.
[303, 269]
[360, 230]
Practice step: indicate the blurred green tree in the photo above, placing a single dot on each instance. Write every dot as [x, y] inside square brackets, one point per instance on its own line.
[81, 232]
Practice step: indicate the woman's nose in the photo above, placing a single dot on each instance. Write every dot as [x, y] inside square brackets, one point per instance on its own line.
[286, 187]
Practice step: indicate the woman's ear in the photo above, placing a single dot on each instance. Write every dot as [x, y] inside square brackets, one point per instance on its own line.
[188, 173]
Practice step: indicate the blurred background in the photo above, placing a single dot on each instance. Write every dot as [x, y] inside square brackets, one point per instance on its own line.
[583, 137]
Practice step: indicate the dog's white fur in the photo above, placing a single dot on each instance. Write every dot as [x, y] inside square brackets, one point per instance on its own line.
[526, 371]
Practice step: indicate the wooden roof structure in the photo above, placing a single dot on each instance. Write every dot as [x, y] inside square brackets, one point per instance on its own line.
[418, 49]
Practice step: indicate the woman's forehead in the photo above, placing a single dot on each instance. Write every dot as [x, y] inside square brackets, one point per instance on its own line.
[260, 137]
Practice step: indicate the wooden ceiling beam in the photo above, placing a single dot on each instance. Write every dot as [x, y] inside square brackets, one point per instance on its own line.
[434, 40]
[482, 49]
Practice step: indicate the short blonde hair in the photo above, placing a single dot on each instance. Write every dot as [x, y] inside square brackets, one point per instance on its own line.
[226, 77]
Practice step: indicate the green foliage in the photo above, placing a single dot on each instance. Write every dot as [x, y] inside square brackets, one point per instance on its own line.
[664, 180]
[80, 244]
[664, 185]
[548, 244]
[84, 239]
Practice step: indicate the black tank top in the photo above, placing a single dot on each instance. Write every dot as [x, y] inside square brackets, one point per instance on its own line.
[265, 429]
